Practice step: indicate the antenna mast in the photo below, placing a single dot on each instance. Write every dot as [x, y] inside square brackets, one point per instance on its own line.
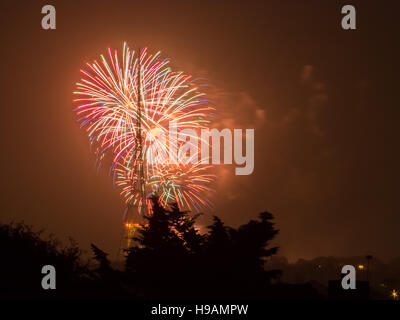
[138, 185]
[139, 143]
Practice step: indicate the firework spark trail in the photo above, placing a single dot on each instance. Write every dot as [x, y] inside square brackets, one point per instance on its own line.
[109, 110]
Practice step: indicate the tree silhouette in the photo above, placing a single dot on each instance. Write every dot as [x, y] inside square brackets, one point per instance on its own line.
[24, 252]
[107, 282]
[170, 258]
[101, 257]
[236, 257]
[164, 250]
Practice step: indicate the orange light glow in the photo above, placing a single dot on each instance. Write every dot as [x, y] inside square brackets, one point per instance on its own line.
[131, 225]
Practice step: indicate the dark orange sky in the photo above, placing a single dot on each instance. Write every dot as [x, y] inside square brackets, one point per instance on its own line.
[324, 103]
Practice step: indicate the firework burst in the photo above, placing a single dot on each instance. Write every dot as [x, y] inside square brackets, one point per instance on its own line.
[125, 105]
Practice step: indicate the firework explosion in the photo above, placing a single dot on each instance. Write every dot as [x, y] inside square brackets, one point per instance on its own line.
[125, 107]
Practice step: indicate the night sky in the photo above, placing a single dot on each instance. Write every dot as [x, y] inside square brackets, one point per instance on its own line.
[324, 103]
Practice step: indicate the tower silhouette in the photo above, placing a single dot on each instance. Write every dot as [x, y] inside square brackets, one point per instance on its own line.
[136, 204]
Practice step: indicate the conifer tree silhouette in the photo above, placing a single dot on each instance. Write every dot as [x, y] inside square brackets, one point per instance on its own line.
[170, 258]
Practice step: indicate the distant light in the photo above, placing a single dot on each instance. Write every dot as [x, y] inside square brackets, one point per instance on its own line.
[360, 267]
[320, 266]
[395, 294]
